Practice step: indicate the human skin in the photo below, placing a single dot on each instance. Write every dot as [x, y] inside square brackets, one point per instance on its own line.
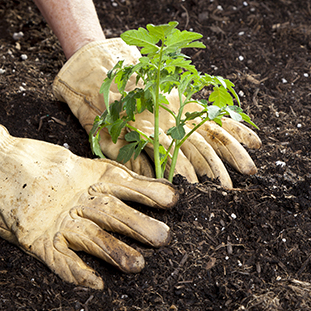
[74, 22]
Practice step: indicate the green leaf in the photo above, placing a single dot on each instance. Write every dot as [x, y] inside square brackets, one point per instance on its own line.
[247, 119]
[177, 132]
[192, 115]
[182, 39]
[141, 38]
[140, 147]
[161, 31]
[126, 152]
[105, 90]
[105, 87]
[115, 129]
[163, 99]
[129, 103]
[203, 103]
[220, 80]
[234, 113]
[213, 112]
[132, 136]
[230, 86]
[220, 97]
[122, 77]
[95, 146]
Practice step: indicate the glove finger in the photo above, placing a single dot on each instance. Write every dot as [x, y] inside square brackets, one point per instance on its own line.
[84, 235]
[124, 184]
[64, 262]
[141, 165]
[205, 160]
[228, 148]
[113, 215]
[241, 133]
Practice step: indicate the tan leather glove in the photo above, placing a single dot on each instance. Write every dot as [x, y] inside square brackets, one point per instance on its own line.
[78, 84]
[53, 203]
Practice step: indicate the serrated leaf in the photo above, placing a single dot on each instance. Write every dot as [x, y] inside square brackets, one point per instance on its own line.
[192, 115]
[105, 87]
[126, 152]
[182, 63]
[177, 132]
[105, 90]
[220, 80]
[95, 146]
[139, 148]
[132, 136]
[220, 97]
[234, 114]
[122, 78]
[247, 119]
[180, 39]
[161, 31]
[141, 38]
[129, 104]
[230, 86]
[163, 99]
[213, 112]
[162, 151]
[115, 129]
[203, 103]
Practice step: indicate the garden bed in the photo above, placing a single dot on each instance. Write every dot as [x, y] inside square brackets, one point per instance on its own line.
[243, 249]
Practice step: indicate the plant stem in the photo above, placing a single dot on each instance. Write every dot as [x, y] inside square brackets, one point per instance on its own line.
[174, 161]
[157, 162]
[177, 147]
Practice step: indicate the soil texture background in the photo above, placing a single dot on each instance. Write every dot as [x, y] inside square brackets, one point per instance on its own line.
[243, 249]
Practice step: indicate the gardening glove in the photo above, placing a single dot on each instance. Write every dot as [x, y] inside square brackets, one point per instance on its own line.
[78, 84]
[207, 145]
[53, 203]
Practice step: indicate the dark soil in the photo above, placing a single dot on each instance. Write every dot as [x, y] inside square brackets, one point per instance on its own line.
[245, 249]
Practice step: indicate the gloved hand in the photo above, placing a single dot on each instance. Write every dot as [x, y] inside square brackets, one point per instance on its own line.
[78, 84]
[53, 203]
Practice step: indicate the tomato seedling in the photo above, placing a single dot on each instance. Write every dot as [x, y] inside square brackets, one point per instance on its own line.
[161, 68]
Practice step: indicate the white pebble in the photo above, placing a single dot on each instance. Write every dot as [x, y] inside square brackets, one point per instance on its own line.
[219, 7]
[2, 71]
[284, 80]
[22, 89]
[241, 33]
[306, 75]
[280, 163]
[278, 278]
[245, 3]
[241, 93]
[227, 257]
[24, 56]
[241, 58]
[18, 35]
[299, 125]
[66, 145]
[284, 240]
[233, 216]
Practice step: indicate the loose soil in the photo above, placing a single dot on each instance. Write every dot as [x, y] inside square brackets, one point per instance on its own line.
[244, 249]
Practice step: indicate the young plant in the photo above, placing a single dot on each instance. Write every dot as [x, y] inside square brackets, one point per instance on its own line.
[161, 68]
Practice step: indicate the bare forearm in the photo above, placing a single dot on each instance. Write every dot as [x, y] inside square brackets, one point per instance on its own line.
[74, 22]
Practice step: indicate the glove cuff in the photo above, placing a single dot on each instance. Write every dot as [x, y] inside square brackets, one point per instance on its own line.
[6, 139]
[79, 81]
